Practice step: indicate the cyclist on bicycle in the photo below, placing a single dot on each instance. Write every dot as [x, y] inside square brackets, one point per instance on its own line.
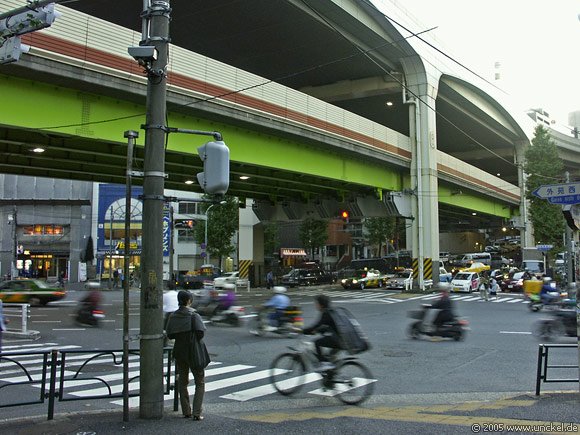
[327, 327]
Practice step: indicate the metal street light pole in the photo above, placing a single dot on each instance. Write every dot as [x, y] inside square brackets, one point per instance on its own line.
[206, 219]
[156, 17]
[111, 249]
[131, 137]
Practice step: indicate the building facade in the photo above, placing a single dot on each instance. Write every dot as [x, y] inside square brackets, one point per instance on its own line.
[45, 226]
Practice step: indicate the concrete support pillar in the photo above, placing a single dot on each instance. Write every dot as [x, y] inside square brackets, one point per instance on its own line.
[246, 250]
[526, 234]
[421, 92]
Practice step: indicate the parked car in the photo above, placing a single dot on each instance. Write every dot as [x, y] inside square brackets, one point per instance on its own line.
[465, 282]
[298, 277]
[476, 257]
[229, 278]
[402, 280]
[498, 261]
[515, 283]
[30, 291]
[291, 278]
[363, 279]
[200, 278]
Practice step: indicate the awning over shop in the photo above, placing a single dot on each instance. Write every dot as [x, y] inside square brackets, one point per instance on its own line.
[290, 252]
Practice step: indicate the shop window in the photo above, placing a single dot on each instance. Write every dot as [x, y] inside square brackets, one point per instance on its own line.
[39, 230]
[188, 208]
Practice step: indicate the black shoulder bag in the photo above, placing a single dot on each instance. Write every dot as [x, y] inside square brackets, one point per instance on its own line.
[198, 354]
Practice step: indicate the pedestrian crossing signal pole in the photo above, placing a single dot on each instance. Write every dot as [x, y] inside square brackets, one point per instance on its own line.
[152, 54]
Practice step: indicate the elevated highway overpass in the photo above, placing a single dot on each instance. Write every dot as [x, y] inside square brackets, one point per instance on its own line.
[300, 91]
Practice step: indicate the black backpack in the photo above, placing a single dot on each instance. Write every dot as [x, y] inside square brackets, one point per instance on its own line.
[351, 336]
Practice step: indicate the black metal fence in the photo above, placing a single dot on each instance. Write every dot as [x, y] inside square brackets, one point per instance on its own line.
[77, 367]
[543, 365]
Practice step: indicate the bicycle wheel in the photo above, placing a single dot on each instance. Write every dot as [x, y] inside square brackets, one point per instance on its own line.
[287, 373]
[354, 382]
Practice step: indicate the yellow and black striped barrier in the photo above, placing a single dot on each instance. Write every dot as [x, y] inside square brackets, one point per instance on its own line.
[415, 268]
[244, 268]
[428, 268]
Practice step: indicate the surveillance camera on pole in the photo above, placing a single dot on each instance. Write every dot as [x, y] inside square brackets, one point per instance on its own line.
[215, 178]
[36, 16]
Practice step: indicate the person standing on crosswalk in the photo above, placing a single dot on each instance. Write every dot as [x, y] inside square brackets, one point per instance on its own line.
[180, 326]
[3, 322]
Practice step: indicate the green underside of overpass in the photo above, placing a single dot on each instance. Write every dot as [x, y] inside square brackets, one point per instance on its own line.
[38, 105]
[35, 105]
[473, 202]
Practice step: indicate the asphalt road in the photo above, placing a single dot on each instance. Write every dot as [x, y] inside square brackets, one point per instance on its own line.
[499, 354]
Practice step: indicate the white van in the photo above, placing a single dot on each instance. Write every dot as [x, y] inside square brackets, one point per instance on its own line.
[477, 257]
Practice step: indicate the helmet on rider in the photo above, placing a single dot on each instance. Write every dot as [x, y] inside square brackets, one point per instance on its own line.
[279, 289]
[547, 280]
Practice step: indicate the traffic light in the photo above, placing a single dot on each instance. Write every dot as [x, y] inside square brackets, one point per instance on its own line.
[184, 223]
[24, 20]
[344, 215]
[215, 178]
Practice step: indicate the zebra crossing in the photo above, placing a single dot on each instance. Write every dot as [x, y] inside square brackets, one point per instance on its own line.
[223, 381]
[390, 297]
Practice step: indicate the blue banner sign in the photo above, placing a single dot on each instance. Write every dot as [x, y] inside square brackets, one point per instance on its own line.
[166, 231]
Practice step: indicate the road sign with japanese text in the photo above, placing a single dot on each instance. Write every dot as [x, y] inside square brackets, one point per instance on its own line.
[568, 193]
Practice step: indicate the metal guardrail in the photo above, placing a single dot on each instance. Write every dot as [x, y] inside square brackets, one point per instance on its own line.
[10, 360]
[69, 360]
[543, 365]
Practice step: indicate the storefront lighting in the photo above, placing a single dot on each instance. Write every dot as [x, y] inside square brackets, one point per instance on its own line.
[188, 181]
[244, 177]
[38, 150]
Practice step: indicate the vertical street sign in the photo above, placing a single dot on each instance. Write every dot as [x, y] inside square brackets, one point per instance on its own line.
[166, 230]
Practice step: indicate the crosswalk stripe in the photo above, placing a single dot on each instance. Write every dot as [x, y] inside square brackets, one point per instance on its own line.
[515, 300]
[28, 345]
[458, 298]
[264, 390]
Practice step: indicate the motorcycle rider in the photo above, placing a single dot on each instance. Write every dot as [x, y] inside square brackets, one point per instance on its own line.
[545, 294]
[88, 304]
[228, 299]
[279, 302]
[444, 305]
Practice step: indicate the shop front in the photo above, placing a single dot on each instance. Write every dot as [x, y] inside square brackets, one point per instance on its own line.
[292, 257]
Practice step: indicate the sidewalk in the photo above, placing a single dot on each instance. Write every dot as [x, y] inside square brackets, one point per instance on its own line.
[523, 413]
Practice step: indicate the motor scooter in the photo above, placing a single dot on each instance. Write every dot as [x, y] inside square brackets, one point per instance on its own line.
[232, 316]
[289, 324]
[562, 322]
[89, 315]
[455, 328]
[536, 303]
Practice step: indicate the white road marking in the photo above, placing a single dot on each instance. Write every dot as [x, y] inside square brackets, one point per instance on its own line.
[516, 332]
